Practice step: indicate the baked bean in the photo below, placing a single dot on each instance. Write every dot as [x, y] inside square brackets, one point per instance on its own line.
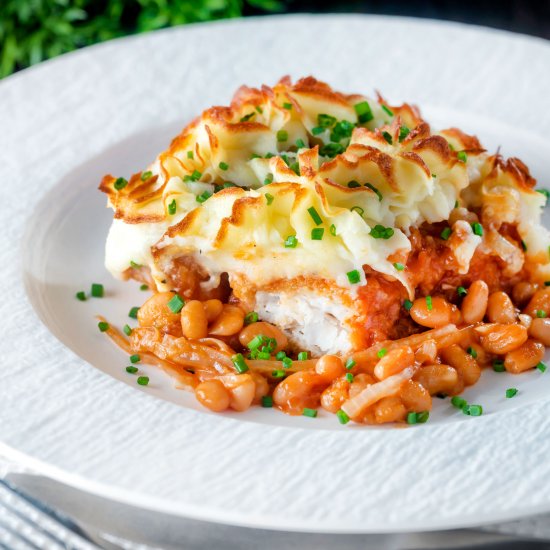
[389, 409]
[426, 353]
[467, 367]
[330, 367]
[415, 397]
[213, 395]
[527, 356]
[393, 362]
[523, 292]
[540, 330]
[335, 395]
[264, 329]
[478, 352]
[501, 339]
[242, 392]
[213, 309]
[194, 323]
[298, 391]
[431, 312]
[230, 321]
[500, 308]
[539, 302]
[474, 304]
[262, 386]
[156, 313]
[437, 378]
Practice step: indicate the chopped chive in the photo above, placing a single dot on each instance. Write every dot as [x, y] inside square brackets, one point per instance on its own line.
[403, 133]
[259, 109]
[247, 117]
[172, 207]
[127, 330]
[511, 392]
[456, 202]
[363, 110]
[120, 183]
[473, 410]
[223, 166]
[287, 106]
[81, 295]
[544, 192]
[280, 355]
[387, 137]
[315, 215]
[103, 326]
[540, 313]
[239, 363]
[132, 370]
[312, 413]
[422, 417]
[343, 418]
[399, 266]
[349, 377]
[268, 179]
[282, 135]
[353, 276]
[407, 304]
[135, 264]
[523, 245]
[381, 232]
[267, 401]
[190, 155]
[133, 313]
[546, 283]
[300, 143]
[264, 355]
[176, 304]
[353, 184]
[317, 130]
[412, 418]
[372, 188]
[471, 351]
[291, 241]
[461, 291]
[135, 358]
[341, 130]
[146, 175]
[350, 363]
[144, 287]
[287, 362]
[498, 365]
[478, 229]
[462, 156]
[279, 373]
[195, 176]
[97, 290]
[203, 197]
[302, 356]
[256, 342]
[295, 167]
[458, 402]
[269, 198]
[387, 110]
[331, 149]
[227, 184]
[251, 317]
[541, 366]
[357, 209]
[269, 155]
[317, 234]
[143, 380]
[381, 353]
[326, 121]
[446, 233]
[429, 305]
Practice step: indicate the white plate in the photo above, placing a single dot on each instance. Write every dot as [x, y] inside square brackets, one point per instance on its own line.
[111, 108]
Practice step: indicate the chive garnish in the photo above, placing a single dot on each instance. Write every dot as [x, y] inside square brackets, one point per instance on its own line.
[287, 106]
[511, 392]
[353, 276]
[381, 232]
[471, 351]
[259, 109]
[146, 175]
[302, 356]
[268, 179]
[282, 135]
[247, 117]
[300, 143]
[372, 188]
[172, 207]
[458, 402]
[429, 305]
[223, 166]
[446, 233]
[315, 215]
[97, 290]
[81, 295]
[403, 133]
[478, 229]
[203, 197]
[462, 156]
[195, 176]
[498, 365]
[363, 110]
[540, 313]
[381, 352]
[143, 380]
[357, 209]
[317, 130]
[349, 377]
[461, 291]
[269, 198]
[239, 363]
[131, 370]
[332, 230]
[325, 121]
[287, 362]
[190, 155]
[350, 363]
[343, 418]
[291, 241]
[135, 358]
[279, 373]
[541, 366]
[267, 401]
[353, 184]
[317, 234]
[387, 137]
[387, 110]
[399, 266]
[133, 313]
[407, 304]
[312, 413]
[144, 287]
[103, 326]
[251, 317]
[176, 304]
[127, 330]
[120, 183]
